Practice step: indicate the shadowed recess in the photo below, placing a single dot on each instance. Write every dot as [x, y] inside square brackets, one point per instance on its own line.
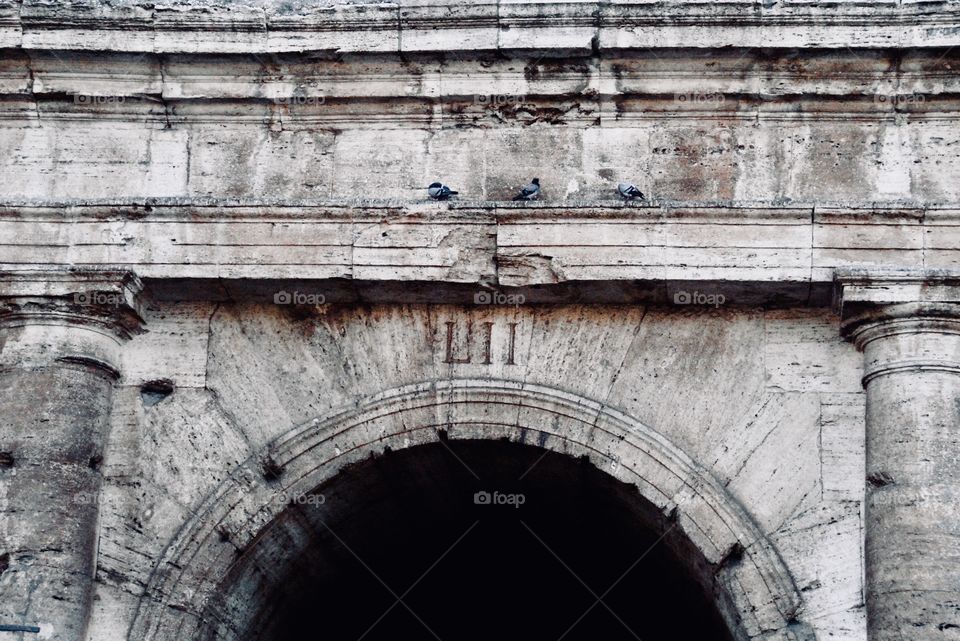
[481, 540]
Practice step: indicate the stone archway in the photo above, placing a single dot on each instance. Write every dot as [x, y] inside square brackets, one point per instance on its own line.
[753, 590]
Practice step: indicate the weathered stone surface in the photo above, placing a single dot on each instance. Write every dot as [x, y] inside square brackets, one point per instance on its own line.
[833, 584]
[744, 251]
[850, 126]
[270, 26]
[907, 327]
[272, 368]
[54, 429]
[60, 336]
[309, 320]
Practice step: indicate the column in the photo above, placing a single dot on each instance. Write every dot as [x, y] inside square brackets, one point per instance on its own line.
[908, 327]
[60, 338]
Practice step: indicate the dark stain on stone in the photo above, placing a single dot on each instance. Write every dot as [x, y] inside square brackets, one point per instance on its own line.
[272, 471]
[6, 460]
[797, 629]
[108, 575]
[442, 435]
[306, 314]
[152, 392]
[134, 212]
[529, 113]
[95, 462]
[531, 72]
[811, 586]
[880, 479]
[4, 562]
[733, 556]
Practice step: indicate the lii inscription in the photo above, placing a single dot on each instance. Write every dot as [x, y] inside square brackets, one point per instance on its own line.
[455, 353]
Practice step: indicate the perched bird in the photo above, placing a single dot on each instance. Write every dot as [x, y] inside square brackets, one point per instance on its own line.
[530, 191]
[629, 191]
[439, 191]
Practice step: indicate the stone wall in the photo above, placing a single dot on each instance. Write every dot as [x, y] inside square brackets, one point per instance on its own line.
[768, 401]
[689, 125]
[261, 166]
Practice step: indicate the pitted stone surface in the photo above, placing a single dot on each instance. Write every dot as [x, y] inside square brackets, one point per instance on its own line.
[306, 312]
[272, 368]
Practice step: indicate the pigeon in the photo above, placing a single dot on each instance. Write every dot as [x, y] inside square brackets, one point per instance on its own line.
[439, 191]
[629, 191]
[529, 192]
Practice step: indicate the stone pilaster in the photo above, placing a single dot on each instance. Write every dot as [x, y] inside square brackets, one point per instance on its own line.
[60, 335]
[908, 327]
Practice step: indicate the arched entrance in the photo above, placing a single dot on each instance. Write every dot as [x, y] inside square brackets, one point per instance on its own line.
[592, 525]
[469, 540]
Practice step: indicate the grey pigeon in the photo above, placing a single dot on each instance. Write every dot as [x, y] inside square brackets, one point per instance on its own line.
[529, 192]
[629, 191]
[439, 191]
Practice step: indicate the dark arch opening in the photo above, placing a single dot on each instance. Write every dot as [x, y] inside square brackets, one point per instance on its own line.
[528, 559]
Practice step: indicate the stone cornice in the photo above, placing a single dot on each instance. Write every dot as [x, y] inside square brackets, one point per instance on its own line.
[755, 253]
[196, 209]
[481, 90]
[104, 299]
[438, 114]
[419, 26]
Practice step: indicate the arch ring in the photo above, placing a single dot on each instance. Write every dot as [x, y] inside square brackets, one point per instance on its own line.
[755, 591]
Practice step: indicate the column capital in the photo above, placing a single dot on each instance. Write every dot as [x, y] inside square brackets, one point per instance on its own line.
[878, 303]
[104, 299]
[79, 316]
[916, 313]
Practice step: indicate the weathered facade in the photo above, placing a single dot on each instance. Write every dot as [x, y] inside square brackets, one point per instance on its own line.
[244, 360]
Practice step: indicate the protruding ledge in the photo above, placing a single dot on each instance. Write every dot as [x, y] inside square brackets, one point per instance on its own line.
[487, 25]
[104, 299]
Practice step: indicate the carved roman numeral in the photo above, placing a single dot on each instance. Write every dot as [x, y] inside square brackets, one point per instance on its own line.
[462, 354]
